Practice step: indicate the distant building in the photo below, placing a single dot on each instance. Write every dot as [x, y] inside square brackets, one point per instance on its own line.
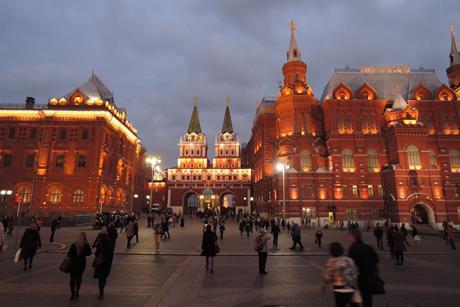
[196, 184]
[70, 156]
[381, 142]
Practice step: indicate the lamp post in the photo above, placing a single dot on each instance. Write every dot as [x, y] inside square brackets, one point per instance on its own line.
[153, 161]
[282, 167]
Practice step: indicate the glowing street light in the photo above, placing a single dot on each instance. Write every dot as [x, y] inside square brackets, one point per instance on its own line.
[154, 162]
[282, 167]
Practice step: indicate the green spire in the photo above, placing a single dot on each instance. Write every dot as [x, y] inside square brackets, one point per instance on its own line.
[227, 124]
[194, 125]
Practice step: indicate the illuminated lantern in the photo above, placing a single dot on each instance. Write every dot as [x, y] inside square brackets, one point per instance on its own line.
[53, 101]
[62, 101]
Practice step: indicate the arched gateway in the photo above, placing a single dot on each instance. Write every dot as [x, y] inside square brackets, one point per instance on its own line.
[422, 214]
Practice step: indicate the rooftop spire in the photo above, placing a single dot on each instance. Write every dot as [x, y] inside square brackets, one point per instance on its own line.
[293, 53]
[454, 52]
[194, 125]
[227, 124]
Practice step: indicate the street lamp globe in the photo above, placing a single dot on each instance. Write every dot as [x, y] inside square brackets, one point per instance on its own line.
[280, 166]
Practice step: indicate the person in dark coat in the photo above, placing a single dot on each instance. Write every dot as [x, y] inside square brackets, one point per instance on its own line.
[54, 225]
[30, 242]
[366, 260]
[208, 246]
[378, 233]
[103, 261]
[113, 234]
[399, 239]
[275, 232]
[77, 253]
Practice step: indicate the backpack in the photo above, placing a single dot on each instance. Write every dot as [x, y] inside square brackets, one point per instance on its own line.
[258, 243]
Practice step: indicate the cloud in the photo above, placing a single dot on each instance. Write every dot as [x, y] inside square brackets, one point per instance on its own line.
[157, 55]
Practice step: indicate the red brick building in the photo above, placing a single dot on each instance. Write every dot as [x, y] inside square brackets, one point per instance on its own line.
[71, 155]
[196, 184]
[381, 142]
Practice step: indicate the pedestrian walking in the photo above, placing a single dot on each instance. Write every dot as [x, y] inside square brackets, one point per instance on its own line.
[248, 228]
[221, 230]
[182, 221]
[296, 237]
[341, 272]
[451, 236]
[399, 247]
[209, 247]
[260, 245]
[157, 234]
[366, 259]
[415, 236]
[165, 228]
[129, 232]
[275, 232]
[30, 242]
[77, 253]
[2, 237]
[113, 234]
[378, 233]
[54, 225]
[318, 236]
[136, 229]
[103, 259]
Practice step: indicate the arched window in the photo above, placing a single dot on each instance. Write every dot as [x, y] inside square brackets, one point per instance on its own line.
[348, 164]
[305, 161]
[433, 159]
[364, 123]
[340, 124]
[78, 196]
[372, 161]
[55, 196]
[454, 157]
[25, 194]
[348, 123]
[413, 157]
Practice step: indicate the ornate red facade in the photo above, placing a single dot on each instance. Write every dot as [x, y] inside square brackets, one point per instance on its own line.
[71, 155]
[381, 142]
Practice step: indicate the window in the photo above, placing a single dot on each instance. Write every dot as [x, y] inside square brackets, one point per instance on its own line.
[30, 160]
[380, 189]
[305, 161]
[60, 161]
[348, 165]
[25, 194]
[63, 134]
[7, 159]
[352, 214]
[433, 159]
[454, 157]
[12, 133]
[33, 133]
[413, 157]
[81, 161]
[355, 190]
[370, 191]
[345, 191]
[55, 196]
[78, 196]
[84, 134]
[372, 161]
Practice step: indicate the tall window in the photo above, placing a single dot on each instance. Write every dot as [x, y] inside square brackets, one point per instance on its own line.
[33, 133]
[413, 157]
[81, 161]
[84, 134]
[25, 194]
[355, 190]
[78, 196]
[454, 157]
[60, 161]
[370, 191]
[63, 134]
[372, 161]
[7, 159]
[364, 124]
[348, 165]
[12, 133]
[305, 161]
[30, 160]
[55, 196]
[433, 159]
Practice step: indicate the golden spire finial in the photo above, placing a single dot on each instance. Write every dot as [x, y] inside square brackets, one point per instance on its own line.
[452, 29]
[292, 26]
[227, 101]
[195, 101]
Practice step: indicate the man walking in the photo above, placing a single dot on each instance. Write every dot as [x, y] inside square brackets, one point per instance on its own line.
[296, 236]
[378, 233]
[54, 225]
[260, 245]
[450, 236]
[275, 232]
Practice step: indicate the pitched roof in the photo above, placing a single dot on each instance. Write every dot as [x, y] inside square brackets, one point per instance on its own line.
[227, 124]
[93, 88]
[384, 79]
[194, 125]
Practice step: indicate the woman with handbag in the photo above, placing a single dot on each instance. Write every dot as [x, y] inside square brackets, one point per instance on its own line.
[103, 261]
[209, 246]
[77, 254]
[30, 242]
[341, 272]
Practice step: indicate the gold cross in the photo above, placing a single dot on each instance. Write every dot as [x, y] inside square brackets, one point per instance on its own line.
[292, 26]
[195, 101]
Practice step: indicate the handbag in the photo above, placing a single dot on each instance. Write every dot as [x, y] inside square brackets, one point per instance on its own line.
[18, 255]
[66, 265]
[97, 261]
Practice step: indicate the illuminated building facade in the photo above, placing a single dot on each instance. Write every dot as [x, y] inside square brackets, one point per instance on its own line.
[196, 184]
[381, 142]
[72, 155]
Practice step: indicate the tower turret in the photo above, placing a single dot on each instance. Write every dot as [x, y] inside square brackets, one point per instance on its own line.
[453, 71]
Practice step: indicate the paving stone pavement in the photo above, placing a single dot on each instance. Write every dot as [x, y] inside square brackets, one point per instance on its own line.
[177, 277]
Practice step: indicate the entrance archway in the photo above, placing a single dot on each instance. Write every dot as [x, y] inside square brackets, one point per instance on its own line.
[422, 214]
[191, 203]
[227, 203]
